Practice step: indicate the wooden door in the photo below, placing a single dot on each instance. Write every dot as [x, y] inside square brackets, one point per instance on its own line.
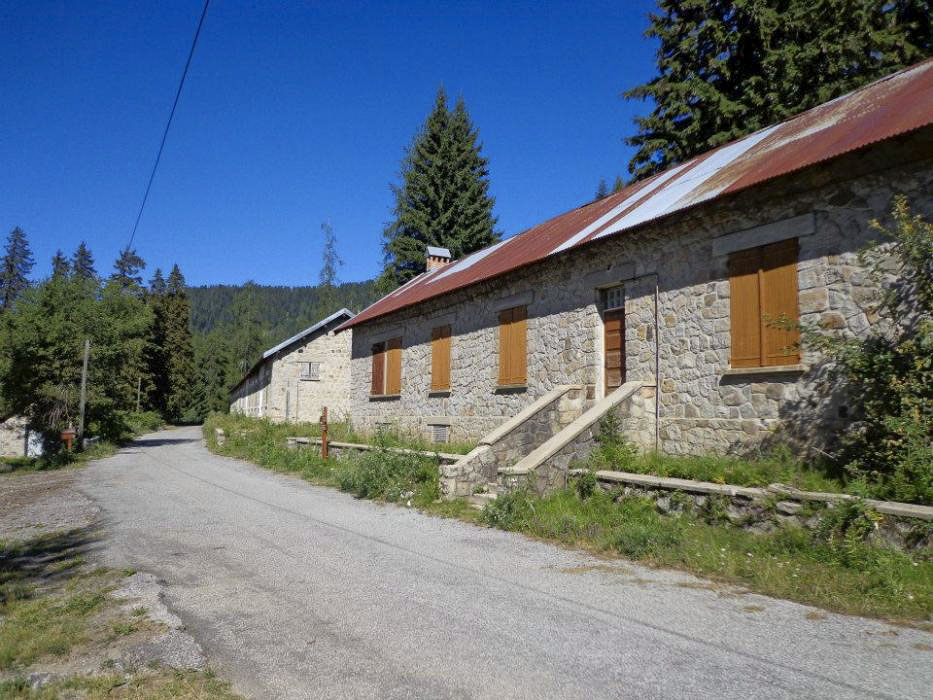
[614, 349]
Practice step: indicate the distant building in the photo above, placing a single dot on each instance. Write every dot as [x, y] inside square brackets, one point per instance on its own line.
[298, 377]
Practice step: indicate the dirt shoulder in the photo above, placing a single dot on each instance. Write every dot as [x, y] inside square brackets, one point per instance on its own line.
[72, 628]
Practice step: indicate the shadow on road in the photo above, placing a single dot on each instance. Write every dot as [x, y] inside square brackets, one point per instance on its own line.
[161, 442]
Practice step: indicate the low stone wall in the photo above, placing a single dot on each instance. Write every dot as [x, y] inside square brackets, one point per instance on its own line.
[903, 526]
[337, 448]
[545, 468]
[513, 439]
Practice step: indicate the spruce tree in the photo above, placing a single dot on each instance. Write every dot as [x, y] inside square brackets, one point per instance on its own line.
[157, 385]
[618, 185]
[727, 68]
[178, 349]
[443, 199]
[15, 267]
[602, 190]
[127, 269]
[82, 263]
[330, 261]
[60, 265]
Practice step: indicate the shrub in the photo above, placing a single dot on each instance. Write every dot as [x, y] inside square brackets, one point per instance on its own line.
[389, 476]
[888, 374]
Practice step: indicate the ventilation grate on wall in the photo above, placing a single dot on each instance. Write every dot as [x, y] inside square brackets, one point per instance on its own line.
[439, 433]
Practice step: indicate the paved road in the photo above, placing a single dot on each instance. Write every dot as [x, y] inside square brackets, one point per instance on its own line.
[297, 591]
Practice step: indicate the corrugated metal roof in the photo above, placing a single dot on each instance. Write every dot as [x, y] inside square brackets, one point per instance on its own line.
[893, 105]
[343, 313]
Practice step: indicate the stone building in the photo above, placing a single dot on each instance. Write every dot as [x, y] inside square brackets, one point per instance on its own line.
[669, 289]
[295, 379]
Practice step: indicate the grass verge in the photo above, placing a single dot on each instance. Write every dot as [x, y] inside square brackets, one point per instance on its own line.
[834, 567]
[58, 612]
[338, 432]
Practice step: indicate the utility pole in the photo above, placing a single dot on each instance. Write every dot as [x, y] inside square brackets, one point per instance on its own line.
[87, 353]
[139, 387]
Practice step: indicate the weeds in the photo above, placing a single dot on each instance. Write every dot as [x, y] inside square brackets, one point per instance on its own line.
[835, 568]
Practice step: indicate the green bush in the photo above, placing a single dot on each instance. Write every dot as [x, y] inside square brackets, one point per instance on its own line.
[887, 375]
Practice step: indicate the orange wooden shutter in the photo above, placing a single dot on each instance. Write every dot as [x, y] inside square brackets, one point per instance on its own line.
[505, 332]
[377, 387]
[440, 358]
[518, 345]
[394, 366]
[779, 298]
[745, 310]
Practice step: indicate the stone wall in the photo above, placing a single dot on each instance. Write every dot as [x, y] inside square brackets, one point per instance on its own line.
[677, 313]
[277, 391]
[13, 436]
[898, 525]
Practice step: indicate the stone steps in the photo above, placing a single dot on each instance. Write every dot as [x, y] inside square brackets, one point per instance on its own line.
[478, 501]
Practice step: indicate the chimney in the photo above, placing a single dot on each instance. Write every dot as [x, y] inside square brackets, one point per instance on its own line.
[437, 257]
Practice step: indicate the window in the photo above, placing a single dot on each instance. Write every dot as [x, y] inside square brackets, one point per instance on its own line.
[512, 346]
[763, 288]
[440, 358]
[387, 368]
[311, 371]
[615, 297]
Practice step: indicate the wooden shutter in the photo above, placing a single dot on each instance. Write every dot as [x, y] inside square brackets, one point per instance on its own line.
[505, 331]
[519, 345]
[745, 308]
[394, 366]
[377, 388]
[440, 358]
[778, 281]
[513, 346]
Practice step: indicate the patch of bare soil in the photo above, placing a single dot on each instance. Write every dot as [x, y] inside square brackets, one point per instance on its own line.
[38, 503]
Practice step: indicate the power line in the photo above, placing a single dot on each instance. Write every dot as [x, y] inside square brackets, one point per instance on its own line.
[168, 124]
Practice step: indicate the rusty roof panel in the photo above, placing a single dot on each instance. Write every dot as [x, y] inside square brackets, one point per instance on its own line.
[880, 110]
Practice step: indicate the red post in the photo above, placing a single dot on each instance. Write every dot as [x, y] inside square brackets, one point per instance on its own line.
[68, 435]
[324, 433]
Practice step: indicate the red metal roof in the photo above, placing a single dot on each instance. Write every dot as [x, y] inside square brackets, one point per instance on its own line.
[894, 105]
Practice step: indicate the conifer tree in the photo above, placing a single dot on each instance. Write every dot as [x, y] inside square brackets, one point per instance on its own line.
[727, 68]
[15, 267]
[178, 348]
[246, 335]
[443, 199]
[602, 190]
[60, 265]
[157, 384]
[82, 263]
[127, 269]
[618, 185]
[330, 261]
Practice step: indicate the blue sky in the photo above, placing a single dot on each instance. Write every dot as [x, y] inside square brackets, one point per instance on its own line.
[295, 113]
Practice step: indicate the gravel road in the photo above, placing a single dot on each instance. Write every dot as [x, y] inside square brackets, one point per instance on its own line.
[296, 591]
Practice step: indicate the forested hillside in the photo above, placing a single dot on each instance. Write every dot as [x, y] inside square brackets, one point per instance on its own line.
[283, 311]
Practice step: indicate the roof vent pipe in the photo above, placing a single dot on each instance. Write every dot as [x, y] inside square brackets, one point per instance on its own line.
[437, 257]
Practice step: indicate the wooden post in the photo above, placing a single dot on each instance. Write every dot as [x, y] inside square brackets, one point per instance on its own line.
[139, 387]
[87, 352]
[324, 433]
